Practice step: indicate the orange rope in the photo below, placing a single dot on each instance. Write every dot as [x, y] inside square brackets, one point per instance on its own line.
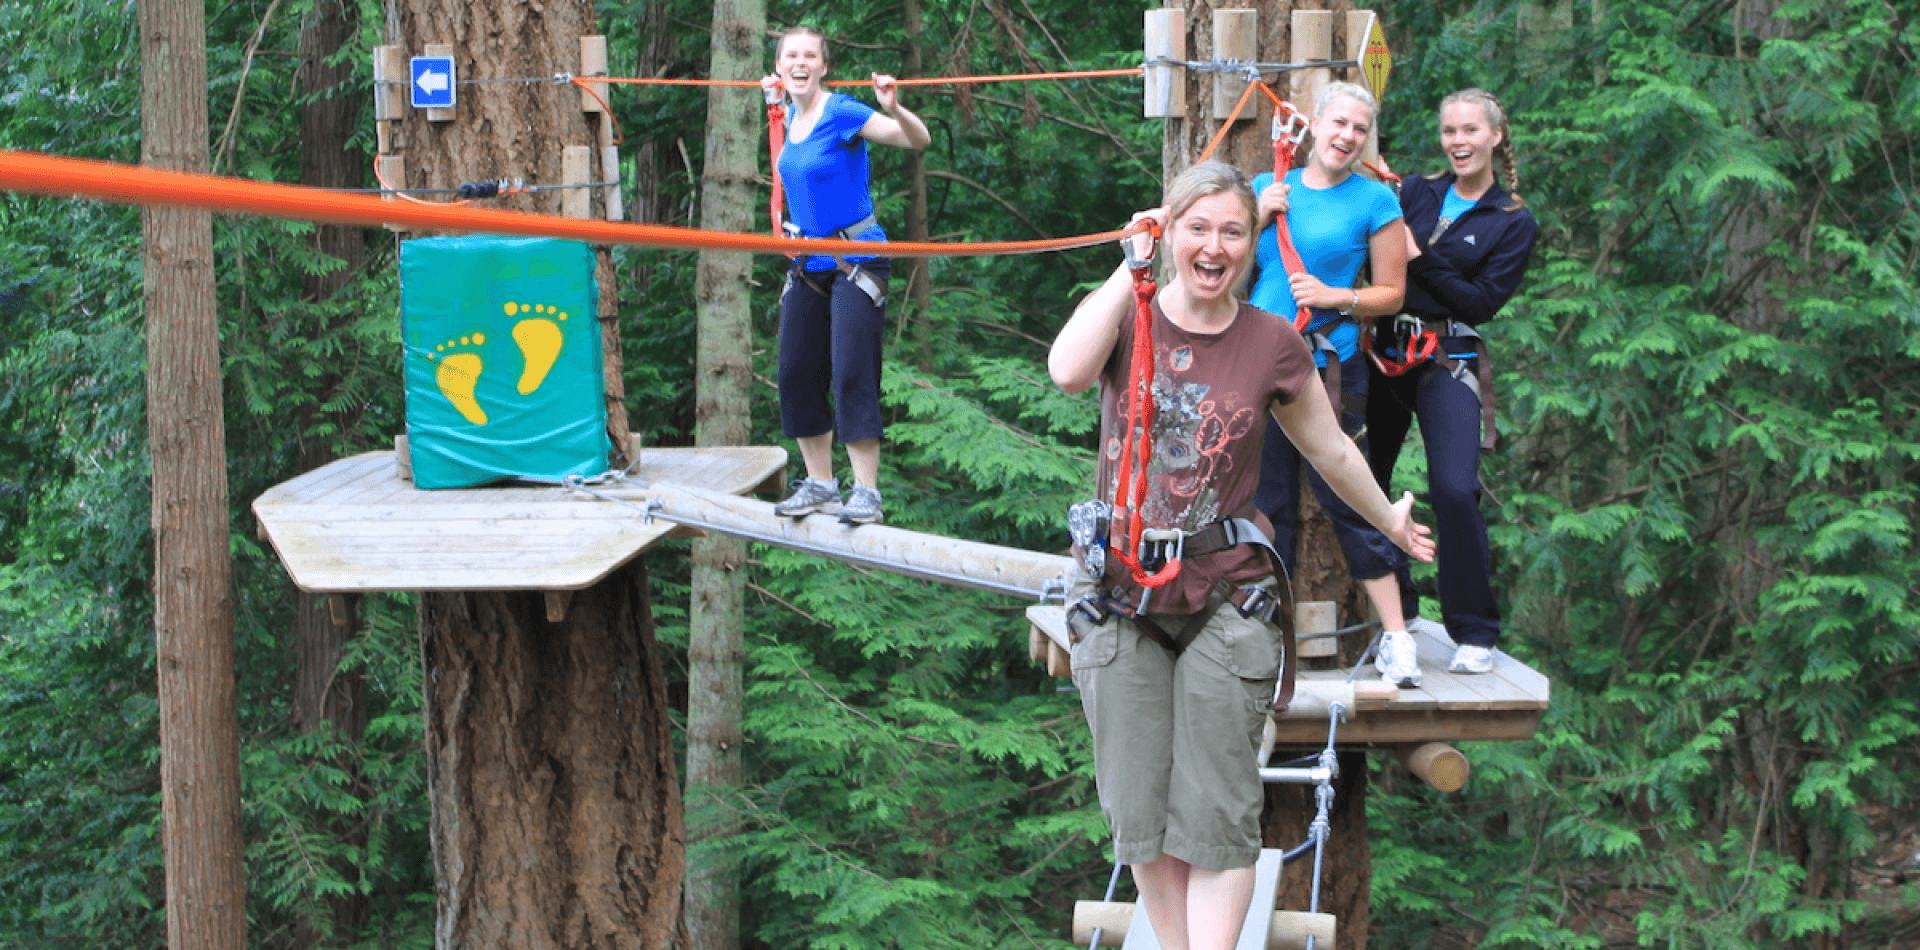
[31, 173]
[924, 81]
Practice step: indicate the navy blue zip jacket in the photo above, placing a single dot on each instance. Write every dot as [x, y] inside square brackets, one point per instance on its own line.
[1475, 267]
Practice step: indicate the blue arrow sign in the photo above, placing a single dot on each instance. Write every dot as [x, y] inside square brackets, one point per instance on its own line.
[432, 85]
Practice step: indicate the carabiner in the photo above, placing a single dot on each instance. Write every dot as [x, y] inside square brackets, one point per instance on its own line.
[1288, 124]
[776, 93]
[1136, 262]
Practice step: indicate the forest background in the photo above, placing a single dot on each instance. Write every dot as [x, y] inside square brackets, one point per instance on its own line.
[1703, 511]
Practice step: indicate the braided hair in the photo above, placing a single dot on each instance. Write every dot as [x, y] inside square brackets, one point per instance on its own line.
[1502, 153]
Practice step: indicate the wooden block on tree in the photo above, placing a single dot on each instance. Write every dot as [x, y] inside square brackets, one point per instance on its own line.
[1312, 42]
[1166, 83]
[389, 84]
[593, 62]
[1436, 763]
[1236, 35]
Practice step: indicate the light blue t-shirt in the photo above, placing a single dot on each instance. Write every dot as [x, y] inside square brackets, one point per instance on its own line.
[1330, 228]
[825, 176]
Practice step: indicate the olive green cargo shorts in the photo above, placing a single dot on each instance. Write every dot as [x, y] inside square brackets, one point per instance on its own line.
[1175, 740]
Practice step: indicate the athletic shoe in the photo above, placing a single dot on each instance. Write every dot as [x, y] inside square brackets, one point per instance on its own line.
[808, 497]
[1398, 660]
[1471, 659]
[1421, 626]
[862, 507]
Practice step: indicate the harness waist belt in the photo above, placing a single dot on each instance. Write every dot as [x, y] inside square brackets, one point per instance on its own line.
[849, 233]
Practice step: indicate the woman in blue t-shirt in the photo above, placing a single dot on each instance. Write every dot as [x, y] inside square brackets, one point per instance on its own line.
[1340, 222]
[832, 310]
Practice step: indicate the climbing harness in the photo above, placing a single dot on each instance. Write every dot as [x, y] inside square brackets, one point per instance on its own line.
[1136, 450]
[861, 277]
[1399, 344]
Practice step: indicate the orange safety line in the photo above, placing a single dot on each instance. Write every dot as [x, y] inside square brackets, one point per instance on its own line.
[1221, 132]
[923, 81]
[606, 109]
[32, 173]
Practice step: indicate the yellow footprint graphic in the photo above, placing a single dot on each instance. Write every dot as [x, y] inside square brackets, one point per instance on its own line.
[539, 339]
[459, 375]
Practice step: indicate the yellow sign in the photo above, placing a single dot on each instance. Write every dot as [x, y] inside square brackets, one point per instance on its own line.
[1377, 62]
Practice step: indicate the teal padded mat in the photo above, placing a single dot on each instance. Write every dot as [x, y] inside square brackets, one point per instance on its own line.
[503, 369]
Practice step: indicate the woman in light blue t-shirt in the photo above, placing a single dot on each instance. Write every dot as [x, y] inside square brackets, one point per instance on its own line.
[833, 310]
[1340, 223]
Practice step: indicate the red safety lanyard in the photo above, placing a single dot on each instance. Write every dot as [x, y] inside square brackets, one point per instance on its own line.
[1288, 126]
[1130, 482]
[776, 140]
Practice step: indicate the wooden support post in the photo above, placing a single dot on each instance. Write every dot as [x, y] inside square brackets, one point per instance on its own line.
[593, 62]
[440, 49]
[557, 602]
[575, 163]
[1236, 35]
[1437, 763]
[1313, 617]
[339, 611]
[1059, 661]
[610, 169]
[1037, 641]
[1312, 42]
[1166, 84]
[1289, 931]
[392, 174]
[389, 84]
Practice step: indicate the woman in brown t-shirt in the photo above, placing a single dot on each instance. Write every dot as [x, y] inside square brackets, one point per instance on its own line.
[1176, 732]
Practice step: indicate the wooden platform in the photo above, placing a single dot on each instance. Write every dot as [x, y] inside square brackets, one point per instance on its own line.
[1504, 704]
[357, 525]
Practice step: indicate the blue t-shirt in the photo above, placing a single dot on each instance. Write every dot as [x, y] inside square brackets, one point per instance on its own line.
[826, 178]
[1330, 228]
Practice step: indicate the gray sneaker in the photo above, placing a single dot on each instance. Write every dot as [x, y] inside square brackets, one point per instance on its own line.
[808, 497]
[1398, 660]
[862, 507]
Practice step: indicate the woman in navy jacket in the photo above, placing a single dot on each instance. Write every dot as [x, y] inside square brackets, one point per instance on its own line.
[1470, 241]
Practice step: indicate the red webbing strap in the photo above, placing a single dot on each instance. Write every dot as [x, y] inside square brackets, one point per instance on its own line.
[1130, 482]
[1417, 348]
[776, 140]
[1288, 123]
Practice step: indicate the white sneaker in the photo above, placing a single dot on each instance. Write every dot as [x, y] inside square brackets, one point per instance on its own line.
[1471, 659]
[1398, 660]
[1429, 628]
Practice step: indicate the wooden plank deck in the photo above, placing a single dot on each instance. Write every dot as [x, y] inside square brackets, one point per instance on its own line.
[1448, 707]
[358, 525]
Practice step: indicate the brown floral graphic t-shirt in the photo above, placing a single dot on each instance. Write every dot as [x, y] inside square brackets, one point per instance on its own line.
[1211, 393]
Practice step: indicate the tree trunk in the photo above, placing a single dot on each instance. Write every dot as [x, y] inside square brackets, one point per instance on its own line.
[325, 695]
[556, 807]
[556, 811]
[721, 417]
[1346, 867]
[192, 576]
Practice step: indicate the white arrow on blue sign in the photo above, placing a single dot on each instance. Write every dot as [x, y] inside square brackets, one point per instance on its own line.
[432, 85]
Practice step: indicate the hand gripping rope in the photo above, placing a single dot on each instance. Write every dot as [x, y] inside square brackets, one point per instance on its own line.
[1130, 483]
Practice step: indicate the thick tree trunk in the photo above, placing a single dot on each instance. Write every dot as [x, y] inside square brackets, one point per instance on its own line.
[556, 807]
[192, 579]
[721, 417]
[556, 811]
[325, 695]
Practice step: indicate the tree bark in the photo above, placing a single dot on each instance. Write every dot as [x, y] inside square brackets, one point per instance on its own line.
[192, 584]
[721, 417]
[556, 811]
[556, 805]
[324, 695]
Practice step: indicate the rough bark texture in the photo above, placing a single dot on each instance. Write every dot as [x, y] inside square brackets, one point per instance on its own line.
[1321, 567]
[556, 806]
[1346, 868]
[192, 580]
[556, 811]
[728, 199]
[323, 693]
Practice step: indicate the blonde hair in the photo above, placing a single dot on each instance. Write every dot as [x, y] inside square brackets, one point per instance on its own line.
[1333, 90]
[792, 31]
[1502, 153]
[1204, 180]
